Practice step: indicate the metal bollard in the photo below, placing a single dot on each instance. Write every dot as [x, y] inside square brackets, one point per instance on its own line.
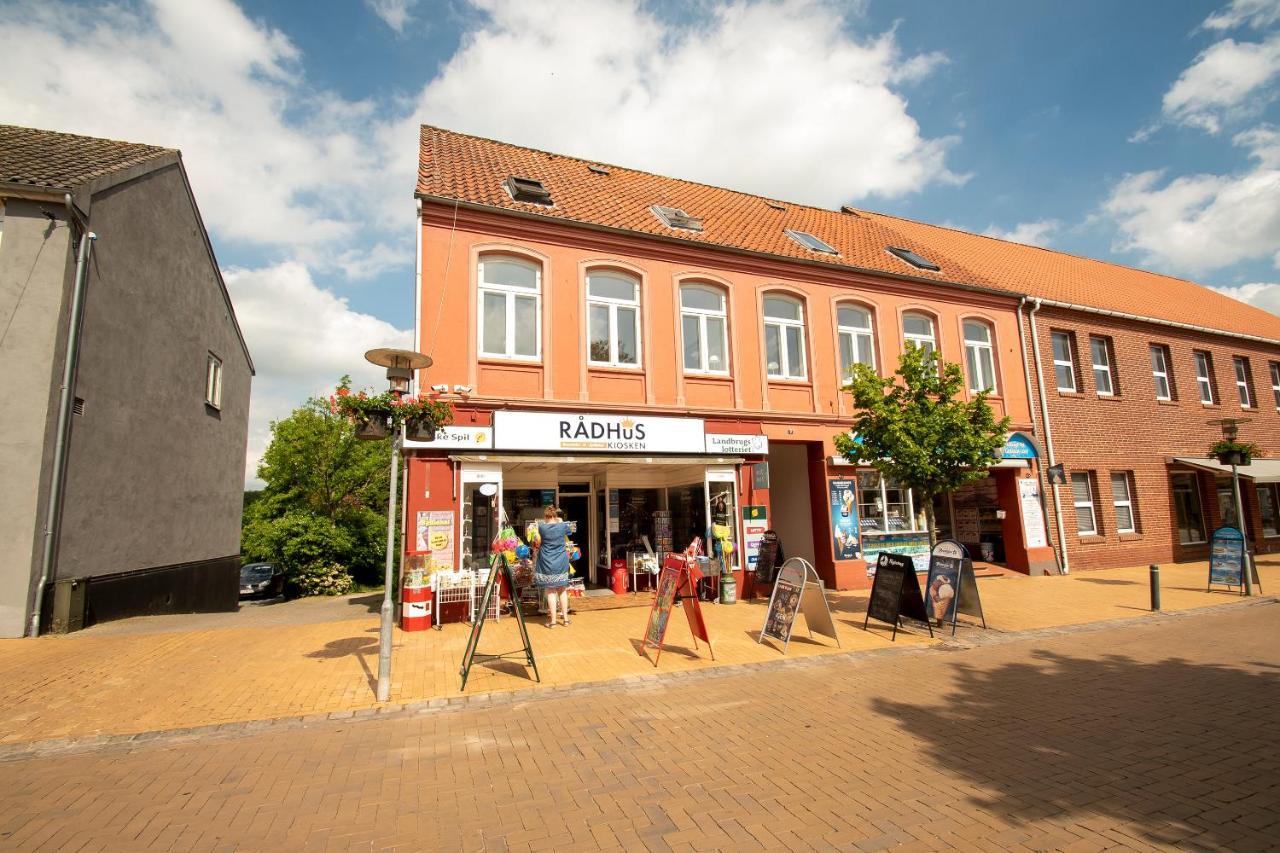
[1155, 588]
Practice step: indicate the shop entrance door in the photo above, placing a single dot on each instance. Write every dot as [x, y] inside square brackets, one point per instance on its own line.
[577, 508]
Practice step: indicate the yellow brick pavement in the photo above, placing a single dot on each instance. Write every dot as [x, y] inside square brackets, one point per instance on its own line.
[118, 682]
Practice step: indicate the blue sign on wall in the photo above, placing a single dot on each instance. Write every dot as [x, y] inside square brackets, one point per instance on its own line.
[1018, 446]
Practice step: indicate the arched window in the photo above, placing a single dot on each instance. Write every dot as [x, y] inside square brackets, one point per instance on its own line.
[857, 340]
[510, 308]
[978, 356]
[613, 319]
[917, 330]
[703, 327]
[784, 337]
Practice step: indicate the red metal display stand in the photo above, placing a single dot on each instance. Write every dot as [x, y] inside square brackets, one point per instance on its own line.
[679, 577]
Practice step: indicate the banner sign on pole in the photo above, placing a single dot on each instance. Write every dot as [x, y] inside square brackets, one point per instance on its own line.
[952, 588]
[895, 593]
[798, 589]
[679, 576]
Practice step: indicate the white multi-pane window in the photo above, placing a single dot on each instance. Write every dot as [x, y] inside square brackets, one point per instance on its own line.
[917, 330]
[784, 337]
[886, 507]
[1204, 376]
[703, 325]
[857, 340]
[1122, 499]
[1102, 380]
[979, 357]
[1242, 382]
[613, 319]
[1160, 372]
[1064, 365]
[510, 308]
[1275, 382]
[1082, 494]
[213, 381]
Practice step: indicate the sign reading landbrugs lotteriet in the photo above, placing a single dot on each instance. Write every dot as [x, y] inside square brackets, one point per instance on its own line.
[589, 432]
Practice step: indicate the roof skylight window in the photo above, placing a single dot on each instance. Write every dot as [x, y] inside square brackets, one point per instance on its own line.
[674, 217]
[810, 242]
[920, 263]
[527, 189]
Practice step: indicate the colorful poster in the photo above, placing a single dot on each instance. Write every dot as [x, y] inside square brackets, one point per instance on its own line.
[755, 521]
[844, 519]
[914, 546]
[1226, 557]
[435, 534]
[1032, 513]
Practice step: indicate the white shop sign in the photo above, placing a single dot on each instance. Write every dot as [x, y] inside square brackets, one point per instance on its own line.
[583, 432]
[454, 437]
[738, 445]
[1032, 516]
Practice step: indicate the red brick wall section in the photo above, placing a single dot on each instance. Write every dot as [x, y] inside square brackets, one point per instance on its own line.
[1133, 431]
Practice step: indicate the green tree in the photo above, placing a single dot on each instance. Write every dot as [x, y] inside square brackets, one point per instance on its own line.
[916, 429]
[324, 504]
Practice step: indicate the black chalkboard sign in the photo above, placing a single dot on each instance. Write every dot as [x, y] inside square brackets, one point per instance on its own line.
[767, 558]
[895, 593]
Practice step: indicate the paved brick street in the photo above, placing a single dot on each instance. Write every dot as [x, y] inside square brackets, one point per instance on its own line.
[1162, 732]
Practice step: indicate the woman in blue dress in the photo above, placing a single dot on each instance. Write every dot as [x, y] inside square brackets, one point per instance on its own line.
[551, 569]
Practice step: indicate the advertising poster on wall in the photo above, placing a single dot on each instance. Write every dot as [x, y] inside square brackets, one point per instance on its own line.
[914, 546]
[435, 534]
[755, 521]
[1032, 514]
[844, 520]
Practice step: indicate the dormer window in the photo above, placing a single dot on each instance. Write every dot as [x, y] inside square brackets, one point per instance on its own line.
[527, 189]
[674, 217]
[917, 261]
[810, 242]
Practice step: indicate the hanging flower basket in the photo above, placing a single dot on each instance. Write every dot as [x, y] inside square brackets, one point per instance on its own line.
[373, 426]
[1235, 457]
[1234, 452]
[420, 429]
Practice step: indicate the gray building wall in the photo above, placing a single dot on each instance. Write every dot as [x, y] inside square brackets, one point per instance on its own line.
[155, 477]
[36, 267]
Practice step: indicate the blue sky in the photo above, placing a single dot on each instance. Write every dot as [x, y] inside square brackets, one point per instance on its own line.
[1139, 132]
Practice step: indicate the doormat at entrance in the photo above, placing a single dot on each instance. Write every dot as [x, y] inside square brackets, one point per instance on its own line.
[601, 592]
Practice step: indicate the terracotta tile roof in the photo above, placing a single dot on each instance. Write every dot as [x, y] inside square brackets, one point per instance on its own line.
[454, 165]
[1048, 274]
[44, 158]
[458, 166]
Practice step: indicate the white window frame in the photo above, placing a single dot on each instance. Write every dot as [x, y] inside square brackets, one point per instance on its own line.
[509, 293]
[613, 305]
[854, 334]
[1242, 381]
[784, 357]
[1204, 376]
[914, 526]
[976, 351]
[1103, 368]
[702, 315]
[213, 381]
[1161, 374]
[1069, 364]
[929, 341]
[1093, 516]
[1274, 367]
[1127, 502]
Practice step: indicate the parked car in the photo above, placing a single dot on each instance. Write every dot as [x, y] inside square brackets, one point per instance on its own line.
[261, 580]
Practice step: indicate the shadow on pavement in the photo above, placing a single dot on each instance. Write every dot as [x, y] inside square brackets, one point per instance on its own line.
[371, 602]
[1108, 581]
[351, 646]
[1176, 748]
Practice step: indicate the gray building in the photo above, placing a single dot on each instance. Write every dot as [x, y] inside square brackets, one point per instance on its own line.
[131, 480]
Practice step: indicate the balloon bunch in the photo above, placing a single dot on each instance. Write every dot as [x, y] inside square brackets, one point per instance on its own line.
[523, 551]
[506, 544]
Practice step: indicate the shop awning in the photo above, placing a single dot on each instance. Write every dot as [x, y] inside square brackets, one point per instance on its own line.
[595, 459]
[1260, 471]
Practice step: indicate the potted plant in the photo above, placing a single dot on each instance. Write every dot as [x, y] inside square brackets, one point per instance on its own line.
[1231, 452]
[371, 413]
[421, 416]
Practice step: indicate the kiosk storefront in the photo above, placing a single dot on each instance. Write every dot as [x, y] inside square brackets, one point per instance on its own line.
[638, 486]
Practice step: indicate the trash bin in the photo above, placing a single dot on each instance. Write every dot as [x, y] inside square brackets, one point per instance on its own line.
[68, 605]
[618, 577]
[415, 608]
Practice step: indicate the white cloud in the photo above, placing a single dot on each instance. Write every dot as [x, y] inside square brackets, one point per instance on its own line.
[394, 13]
[1264, 295]
[772, 97]
[1037, 233]
[1255, 13]
[1222, 83]
[303, 340]
[1198, 223]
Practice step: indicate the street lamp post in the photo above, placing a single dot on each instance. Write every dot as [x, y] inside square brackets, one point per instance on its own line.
[1230, 429]
[400, 365]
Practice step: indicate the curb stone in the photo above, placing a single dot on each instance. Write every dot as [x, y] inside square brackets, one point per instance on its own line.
[977, 637]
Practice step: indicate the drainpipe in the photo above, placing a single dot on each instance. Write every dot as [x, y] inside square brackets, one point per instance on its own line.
[53, 512]
[1048, 438]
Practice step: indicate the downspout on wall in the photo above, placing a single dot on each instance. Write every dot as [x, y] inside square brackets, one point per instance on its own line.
[53, 511]
[1064, 560]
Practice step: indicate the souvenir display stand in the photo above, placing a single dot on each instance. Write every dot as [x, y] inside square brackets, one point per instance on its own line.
[488, 598]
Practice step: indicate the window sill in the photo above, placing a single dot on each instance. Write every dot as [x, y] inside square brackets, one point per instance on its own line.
[1062, 393]
[1091, 539]
[1205, 405]
[614, 368]
[805, 383]
[1131, 537]
[1111, 398]
[1166, 402]
[508, 362]
[719, 377]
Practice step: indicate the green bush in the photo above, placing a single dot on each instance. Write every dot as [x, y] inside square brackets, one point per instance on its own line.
[318, 578]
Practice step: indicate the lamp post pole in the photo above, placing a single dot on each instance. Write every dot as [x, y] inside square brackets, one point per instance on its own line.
[400, 365]
[1230, 429]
